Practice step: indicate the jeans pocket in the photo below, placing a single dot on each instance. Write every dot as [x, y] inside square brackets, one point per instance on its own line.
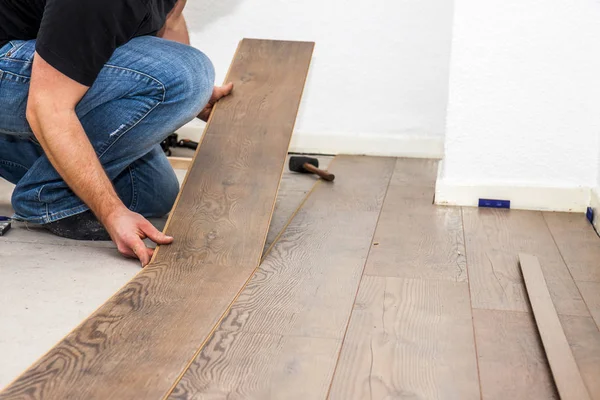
[22, 50]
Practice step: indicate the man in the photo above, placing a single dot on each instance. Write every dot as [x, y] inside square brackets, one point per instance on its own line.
[88, 90]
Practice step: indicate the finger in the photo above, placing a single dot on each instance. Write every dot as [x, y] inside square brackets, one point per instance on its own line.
[227, 88]
[154, 234]
[222, 91]
[141, 251]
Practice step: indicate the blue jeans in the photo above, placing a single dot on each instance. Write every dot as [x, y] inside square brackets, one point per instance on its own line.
[148, 89]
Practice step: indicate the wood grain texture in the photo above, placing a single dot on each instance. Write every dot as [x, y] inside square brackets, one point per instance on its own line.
[259, 366]
[566, 374]
[493, 239]
[512, 362]
[304, 290]
[590, 291]
[408, 339]
[293, 190]
[578, 243]
[584, 339]
[139, 342]
[416, 239]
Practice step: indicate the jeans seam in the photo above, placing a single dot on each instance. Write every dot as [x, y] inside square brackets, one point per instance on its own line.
[13, 164]
[162, 86]
[39, 194]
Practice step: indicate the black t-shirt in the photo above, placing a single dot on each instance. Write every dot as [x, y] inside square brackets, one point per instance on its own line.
[77, 37]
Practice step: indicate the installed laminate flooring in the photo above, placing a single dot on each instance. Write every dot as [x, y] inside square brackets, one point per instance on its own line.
[287, 326]
[410, 335]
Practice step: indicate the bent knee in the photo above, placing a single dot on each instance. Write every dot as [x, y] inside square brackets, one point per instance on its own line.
[194, 78]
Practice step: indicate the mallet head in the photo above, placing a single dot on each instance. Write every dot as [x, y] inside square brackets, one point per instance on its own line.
[297, 163]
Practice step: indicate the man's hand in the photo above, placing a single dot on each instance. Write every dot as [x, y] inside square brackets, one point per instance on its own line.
[128, 229]
[218, 93]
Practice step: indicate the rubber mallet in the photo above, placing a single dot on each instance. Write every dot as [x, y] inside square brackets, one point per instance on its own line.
[308, 165]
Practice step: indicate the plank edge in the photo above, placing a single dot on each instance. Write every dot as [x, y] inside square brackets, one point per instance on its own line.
[569, 387]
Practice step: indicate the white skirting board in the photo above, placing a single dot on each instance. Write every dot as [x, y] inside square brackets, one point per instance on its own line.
[376, 144]
[575, 199]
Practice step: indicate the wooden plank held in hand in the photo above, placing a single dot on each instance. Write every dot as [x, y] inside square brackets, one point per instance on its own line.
[139, 343]
[565, 371]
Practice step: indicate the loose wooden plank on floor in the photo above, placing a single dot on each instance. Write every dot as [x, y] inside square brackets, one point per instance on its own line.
[139, 342]
[512, 363]
[408, 338]
[566, 374]
[302, 293]
[493, 239]
[584, 338]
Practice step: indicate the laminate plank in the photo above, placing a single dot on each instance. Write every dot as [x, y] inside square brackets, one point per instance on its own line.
[285, 367]
[566, 374]
[512, 362]
[293, 191]
[141, 340]
[416, 239]
[408, 339]
[419, 241]
[590, 291]
[578, 244]
[493, 239]
[584, 338]
[305, 288]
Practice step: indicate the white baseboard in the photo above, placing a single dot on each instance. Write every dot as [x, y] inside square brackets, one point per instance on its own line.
[595, 204]
[390, 145]
[569, 199]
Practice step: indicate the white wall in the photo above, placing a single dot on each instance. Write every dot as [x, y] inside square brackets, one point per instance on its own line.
[379, 77]
[524, 103]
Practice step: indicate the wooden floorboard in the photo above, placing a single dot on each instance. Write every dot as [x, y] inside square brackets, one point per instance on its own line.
[590, 291]
[408, 339]
[578, 243]
[566, 374]
[286, 327]
[139, 342]
[512, 362]
[412, 318]
[293, 191]
[416, 239]
[493, 240]
[579, 246]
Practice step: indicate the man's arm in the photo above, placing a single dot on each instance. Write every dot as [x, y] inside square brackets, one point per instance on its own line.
[175, 28]
[51, 115]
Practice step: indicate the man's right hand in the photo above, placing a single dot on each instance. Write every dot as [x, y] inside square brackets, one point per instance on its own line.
[128, 230]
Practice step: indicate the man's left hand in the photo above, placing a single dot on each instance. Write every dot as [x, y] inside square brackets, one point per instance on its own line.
[218, 93]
